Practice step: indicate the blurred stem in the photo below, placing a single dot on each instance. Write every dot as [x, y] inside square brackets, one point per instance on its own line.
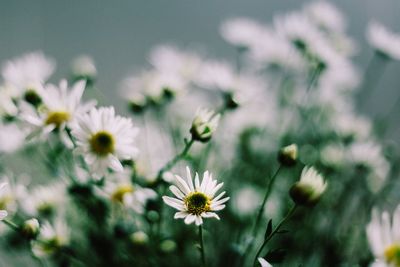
[269, 237]
[373, 73]
[176, 159]
[202, 254]
[12, 225]
[260, 213]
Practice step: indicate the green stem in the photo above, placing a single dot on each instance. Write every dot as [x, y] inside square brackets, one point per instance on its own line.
[269, 237]
[175, 160]
[11, 225]
[202, 254]
[260, 213]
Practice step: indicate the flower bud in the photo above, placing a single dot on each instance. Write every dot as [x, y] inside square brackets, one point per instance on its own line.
[139, 238]
[309, 189]
[83, 68]
[30, 228]
[204, 125]
[288, 155]
[167, 246]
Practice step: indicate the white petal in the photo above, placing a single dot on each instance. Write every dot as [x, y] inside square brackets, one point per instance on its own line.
[181, 215]
[190, 219]
[3, 214]
[173, 202]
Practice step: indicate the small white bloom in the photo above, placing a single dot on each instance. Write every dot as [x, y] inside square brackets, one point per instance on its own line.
[12, 137]
[27, 72]
[195, 201]
[264, 263]
[326, 16]
[104, 138]
[309, 189]
[51, 239]
[84, 67]
[383, 234]
[241, 32]
[383, 40]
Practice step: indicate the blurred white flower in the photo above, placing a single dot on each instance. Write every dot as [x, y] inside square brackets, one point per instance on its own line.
[51, 239]
[333, 155]
[120, 190]
[175, 62]
[12, 194]
[104, 138]
[204, 125]
[12, 137]
[246, 200]
[383, 234]
[84, 67]
[349, 125]
[326, 16]
[195, 201]
[27, 72]
[383, 40]
[7, 106]
[241, 32]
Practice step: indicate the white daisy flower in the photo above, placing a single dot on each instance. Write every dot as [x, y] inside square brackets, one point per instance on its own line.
[51, 239]
[383, 234]
[26, 73]
[121, 190]
[309, 189]
[60, 106]
[195, 201]
[383, 40]
[3, 213]
[104, 138]
[83, 67]
[326, 16]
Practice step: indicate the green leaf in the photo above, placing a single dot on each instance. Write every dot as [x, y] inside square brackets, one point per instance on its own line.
[269, 229]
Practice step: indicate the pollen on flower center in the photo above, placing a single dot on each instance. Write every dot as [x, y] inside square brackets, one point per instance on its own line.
[102, 143]
[118, 194]
[57, 118]
[197, 203]
[392, 255]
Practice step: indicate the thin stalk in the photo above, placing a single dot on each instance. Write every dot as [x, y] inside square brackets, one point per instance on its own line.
[201, 241]
[11, 225]
[268, 238]
[260, 213]
[175, 160]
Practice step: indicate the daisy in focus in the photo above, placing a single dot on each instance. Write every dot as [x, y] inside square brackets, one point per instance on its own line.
[195, 201]
[104, 138]
[383, 235]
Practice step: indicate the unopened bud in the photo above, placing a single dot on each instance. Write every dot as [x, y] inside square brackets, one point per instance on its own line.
[204, 125]
[139, 238]
[30, 228]
[288, 155]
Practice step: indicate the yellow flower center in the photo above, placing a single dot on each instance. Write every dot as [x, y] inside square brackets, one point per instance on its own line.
[102, 143]
[392, 254]
[120, 191]
[57, 118]
[197, 203]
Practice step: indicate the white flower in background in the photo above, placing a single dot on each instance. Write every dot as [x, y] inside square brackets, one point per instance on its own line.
[120, 190]
[264, 263]
[326, 16]
[12, 137]
[195, 201]
[7, 106]
[383, 234]
[242, 32]
[12, 194]
[245, 201]
[104, 138]
[349, 125]
[51, 239]
[83, 67]
[60, 106]
[3, 213]
[44, 200]
[175, 62]
[369, 155]
[309, 189]
[154, 85]
[216, 75]
[24, 74]
[204, 125]
[333, 155]
[383, 40]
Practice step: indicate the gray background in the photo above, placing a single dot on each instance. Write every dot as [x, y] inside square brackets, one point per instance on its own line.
[119, 34]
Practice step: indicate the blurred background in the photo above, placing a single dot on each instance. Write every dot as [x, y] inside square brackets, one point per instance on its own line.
[119, 35]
